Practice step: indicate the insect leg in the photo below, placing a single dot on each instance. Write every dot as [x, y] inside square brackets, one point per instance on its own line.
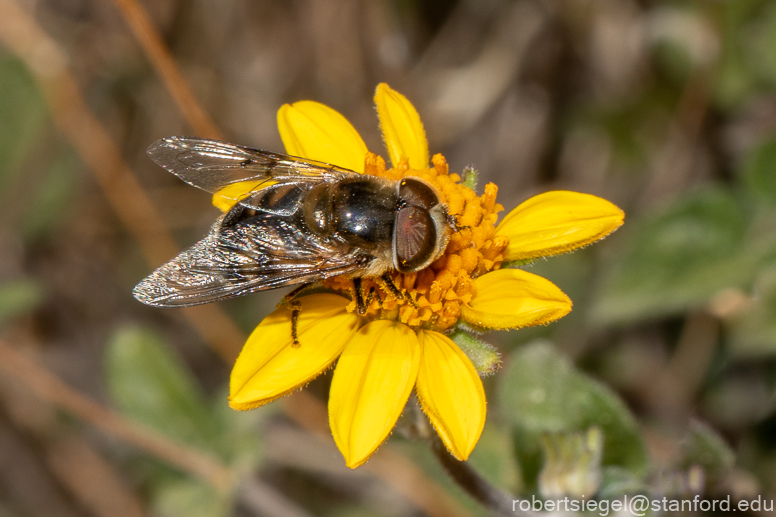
[287, 299]
[370, 295]
[296, 309]
[389, 286]
[452, 222]
[358, 291]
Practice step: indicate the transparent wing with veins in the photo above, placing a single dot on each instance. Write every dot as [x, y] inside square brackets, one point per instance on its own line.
[212, 165]
[266, 251]
[263, 242]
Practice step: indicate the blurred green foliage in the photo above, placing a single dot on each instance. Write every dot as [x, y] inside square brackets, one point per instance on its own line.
[152, 386]
[705, 448]
[19, 297]
[679, 259]
[541, 392]
[719, 241]
[24, 116]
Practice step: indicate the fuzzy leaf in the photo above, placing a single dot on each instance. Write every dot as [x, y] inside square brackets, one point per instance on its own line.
[679, 260]
[541, 392]
[151, 385]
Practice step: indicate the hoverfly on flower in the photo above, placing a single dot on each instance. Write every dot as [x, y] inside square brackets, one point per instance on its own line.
[408, 255]
[315, 221]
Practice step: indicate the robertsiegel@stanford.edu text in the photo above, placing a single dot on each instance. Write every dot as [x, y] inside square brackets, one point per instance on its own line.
[639, 505]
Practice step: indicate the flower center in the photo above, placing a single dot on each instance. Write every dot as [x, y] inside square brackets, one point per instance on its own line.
[433, 296]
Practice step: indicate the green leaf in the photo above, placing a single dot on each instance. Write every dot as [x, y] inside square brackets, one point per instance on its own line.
[679, 259]
[706, 448]
[151, 385]
[51, 201]
[616, 481]
[18, 297]
[541, 392]
[484, 357]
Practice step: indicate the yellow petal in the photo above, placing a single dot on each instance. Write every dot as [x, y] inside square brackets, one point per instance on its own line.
[228, 196]
[513, 298]
[371, 385]
[313, 130]
[269, 366]
[402, 129]
[451, 393]
[556, 222]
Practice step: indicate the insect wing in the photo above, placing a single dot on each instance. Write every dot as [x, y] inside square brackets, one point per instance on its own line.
[212, 165]
[266, 253]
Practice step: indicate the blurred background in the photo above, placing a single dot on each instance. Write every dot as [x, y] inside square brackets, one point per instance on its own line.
[661, 381]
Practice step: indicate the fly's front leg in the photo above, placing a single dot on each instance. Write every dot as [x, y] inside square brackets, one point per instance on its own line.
[389, 286]
[296, 309]
[452, 222]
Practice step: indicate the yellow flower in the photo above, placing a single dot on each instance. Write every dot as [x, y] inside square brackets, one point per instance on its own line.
[402, 344]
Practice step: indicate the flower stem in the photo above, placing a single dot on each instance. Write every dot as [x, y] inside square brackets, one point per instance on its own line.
[495, 499]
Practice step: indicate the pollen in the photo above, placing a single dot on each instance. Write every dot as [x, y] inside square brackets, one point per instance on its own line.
[432, 297]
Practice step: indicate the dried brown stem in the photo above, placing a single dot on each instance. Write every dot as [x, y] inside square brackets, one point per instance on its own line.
[252, 492]
[156, 52]
[90, 478]
[50, 388]
[480, 489]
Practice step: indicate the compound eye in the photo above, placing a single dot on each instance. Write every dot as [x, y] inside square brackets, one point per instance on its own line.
[414, 239]
[414, 192]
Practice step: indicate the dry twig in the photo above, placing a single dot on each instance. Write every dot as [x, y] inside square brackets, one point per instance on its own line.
[50, 388]
[156, 51]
